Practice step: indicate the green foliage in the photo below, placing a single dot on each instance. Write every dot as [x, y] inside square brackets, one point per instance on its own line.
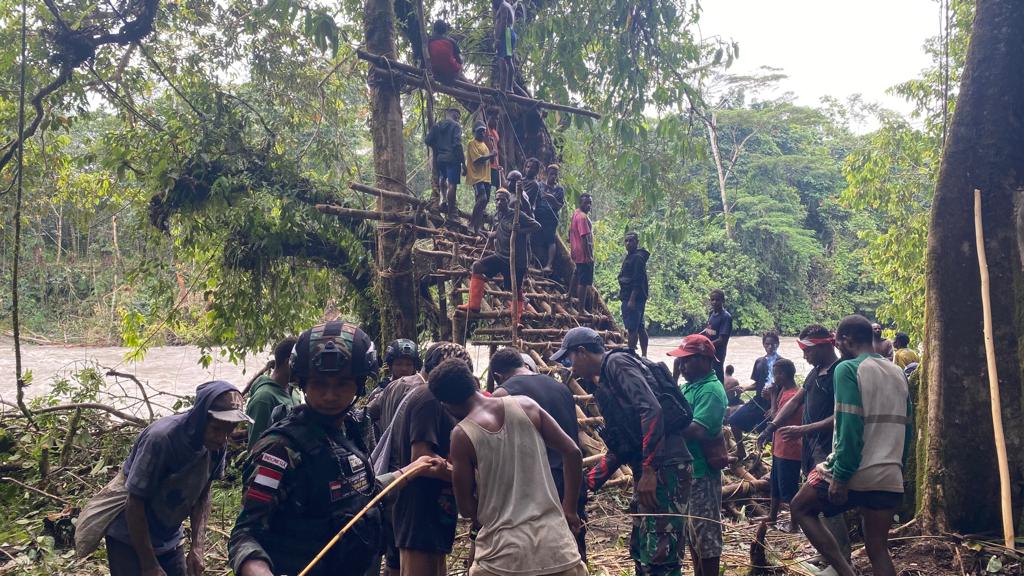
[793, 260]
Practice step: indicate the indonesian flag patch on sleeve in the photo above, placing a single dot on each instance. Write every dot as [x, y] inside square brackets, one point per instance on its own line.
[268, 477]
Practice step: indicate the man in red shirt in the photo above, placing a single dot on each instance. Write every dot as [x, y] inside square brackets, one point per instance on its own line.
[581, 245]
[445, 56]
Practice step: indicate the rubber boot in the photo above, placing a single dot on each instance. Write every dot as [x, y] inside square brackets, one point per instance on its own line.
[476, 294]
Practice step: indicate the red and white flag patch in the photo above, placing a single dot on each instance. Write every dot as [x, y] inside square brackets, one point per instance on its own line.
[266, 476]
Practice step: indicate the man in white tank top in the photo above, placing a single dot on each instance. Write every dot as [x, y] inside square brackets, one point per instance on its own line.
[502, 482]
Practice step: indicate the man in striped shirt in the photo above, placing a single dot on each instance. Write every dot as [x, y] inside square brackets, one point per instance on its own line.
[873, 427]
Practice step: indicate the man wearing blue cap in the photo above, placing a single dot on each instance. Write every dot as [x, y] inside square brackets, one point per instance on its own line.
[638, 432]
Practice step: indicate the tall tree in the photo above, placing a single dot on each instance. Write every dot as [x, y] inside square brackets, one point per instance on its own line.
[394, 243]
[984, 151]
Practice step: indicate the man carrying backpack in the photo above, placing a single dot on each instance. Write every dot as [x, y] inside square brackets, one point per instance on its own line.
[645, 415]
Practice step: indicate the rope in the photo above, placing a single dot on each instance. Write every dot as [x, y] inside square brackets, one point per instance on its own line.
[398, 482]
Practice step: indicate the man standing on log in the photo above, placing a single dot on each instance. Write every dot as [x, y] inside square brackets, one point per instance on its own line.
[873, 429]
[504, 43]
[549, 205]
[642, 432]
[500, 262]
[445, 140]
[581, 248]
[478, 175]
[633, 291]
[817, 401]
[514, 378]
[167, 477]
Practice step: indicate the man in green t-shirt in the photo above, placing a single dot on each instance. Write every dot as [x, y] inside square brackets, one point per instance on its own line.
[707, 399]
[269, 392]
[872, 437]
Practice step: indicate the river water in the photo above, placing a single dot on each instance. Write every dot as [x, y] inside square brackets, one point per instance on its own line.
[175, 369]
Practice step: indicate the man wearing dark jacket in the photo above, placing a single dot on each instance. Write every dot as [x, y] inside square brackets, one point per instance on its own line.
[168, 475]
[661, 462]
[633, 291]
[445, 140]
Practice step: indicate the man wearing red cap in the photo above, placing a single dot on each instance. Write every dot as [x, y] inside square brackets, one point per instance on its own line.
[706, 396]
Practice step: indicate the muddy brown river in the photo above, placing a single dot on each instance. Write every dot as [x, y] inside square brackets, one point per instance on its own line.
[175, 369]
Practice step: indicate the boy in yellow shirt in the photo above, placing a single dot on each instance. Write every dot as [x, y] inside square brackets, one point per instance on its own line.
[478, 174]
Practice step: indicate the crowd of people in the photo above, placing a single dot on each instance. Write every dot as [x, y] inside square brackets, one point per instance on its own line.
[510, 461]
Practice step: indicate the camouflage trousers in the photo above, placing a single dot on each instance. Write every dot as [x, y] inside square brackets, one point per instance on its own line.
[657, 543]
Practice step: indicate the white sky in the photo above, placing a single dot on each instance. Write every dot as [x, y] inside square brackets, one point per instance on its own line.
[828, 47]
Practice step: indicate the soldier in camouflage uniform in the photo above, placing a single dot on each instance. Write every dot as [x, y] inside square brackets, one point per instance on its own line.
[309, 475]
[661, 465]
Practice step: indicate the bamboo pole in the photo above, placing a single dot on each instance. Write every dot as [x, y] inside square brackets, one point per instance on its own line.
[993, 378]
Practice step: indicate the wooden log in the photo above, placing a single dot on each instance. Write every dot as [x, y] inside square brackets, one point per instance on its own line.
[573, 318]
[466, 90]
[335, 210]
[451, 233]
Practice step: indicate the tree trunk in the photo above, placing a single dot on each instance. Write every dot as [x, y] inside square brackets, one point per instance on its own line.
[394, 243]
[985, 151]
[711, 124]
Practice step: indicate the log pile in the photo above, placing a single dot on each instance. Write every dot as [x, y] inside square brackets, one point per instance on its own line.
[443, 254]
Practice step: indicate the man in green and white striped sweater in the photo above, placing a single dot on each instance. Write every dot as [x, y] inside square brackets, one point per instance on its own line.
[872, 437]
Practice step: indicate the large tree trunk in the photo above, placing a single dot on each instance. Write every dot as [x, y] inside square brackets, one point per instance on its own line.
[394, 243]
[985, 151]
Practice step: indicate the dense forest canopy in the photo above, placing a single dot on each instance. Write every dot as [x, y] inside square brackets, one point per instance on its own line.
[169, 188]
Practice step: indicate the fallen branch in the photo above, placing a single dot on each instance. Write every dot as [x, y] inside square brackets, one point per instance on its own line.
[36, 490]
[135, 420]
[145, 396]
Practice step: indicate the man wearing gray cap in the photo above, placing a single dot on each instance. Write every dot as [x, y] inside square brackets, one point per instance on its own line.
[167, 476]
[644, 422]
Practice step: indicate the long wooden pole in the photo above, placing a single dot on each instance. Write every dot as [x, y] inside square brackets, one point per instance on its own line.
[993, 379]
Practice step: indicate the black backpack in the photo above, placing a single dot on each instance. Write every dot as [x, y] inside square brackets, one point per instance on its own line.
[621, 432]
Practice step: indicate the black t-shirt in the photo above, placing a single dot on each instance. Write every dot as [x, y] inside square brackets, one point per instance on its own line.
[819, 404]
[424, 514]
[720, 326]
[760, 375]
[555, 399]
[633, 276]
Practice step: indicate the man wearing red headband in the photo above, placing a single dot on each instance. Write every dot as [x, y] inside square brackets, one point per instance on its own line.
[817, 399]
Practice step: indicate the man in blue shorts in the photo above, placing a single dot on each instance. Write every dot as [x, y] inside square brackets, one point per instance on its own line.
[633, 291]
[445, 140]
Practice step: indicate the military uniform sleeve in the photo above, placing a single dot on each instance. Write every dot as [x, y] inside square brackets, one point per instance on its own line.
[632, 384]
[266, 477]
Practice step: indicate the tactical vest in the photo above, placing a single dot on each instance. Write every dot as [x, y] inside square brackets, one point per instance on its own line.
[331, 484]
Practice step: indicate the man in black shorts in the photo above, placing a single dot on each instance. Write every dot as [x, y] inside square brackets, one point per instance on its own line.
[499, 262]
[872, 436]
[581, 249]
[550, 200]
[633, 291]
[445, 139]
